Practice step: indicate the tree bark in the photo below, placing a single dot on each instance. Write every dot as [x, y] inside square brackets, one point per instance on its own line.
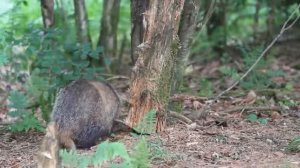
[154, 69]
[81, 20]
[219, 20]
[185, 33]
[60, 4]
[109, 27]
[271, 19]
[47, 13]
[138, 8]
[256, 20]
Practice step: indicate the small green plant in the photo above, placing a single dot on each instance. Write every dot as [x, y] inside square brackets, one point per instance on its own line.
[205, 88]
[3, 59]
[230, 71]
[141, 154]
[146, 125]
[26, 121]
[288, 102]
[254, 118]
[176, 106]
[259, 78]
[105, 154]
[294, 145]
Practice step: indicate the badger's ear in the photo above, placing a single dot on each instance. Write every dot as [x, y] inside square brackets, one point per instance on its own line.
[46, 154]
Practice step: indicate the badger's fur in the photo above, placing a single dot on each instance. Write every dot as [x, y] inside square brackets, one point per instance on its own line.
[84, 111]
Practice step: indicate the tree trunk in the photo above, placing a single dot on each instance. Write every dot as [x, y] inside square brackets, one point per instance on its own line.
[60, 4]
[138, 8]
[186, 30]
[47, 13]
[271, 19]
[256, 20]
[218, 20]
[154, 69]
[109, 27]
[81, 20]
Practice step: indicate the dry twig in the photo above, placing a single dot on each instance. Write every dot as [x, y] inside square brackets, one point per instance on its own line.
[182, 97]
[243, 108]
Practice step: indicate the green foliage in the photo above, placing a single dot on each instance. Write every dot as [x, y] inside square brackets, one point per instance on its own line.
[146, 125]
[230, 71]
[259, 78]
[176, 106]
[254, 118]
[288, 102]
[49, 60]
[205, 88]
[27, 123]
[294, 145]
[18, 104]
[17, 100]
[50, 64]
[124, 20]
[141, 154]
[233, 22]
[106, 152]
[36, 85]
[3, 59]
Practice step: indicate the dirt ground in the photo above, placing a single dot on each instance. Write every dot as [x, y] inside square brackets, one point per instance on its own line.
[241, 144]
[225, 139]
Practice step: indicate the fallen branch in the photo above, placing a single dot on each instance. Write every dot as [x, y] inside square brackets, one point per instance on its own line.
[117, 77]
[180, 117]
[243, 108]
[182, 97]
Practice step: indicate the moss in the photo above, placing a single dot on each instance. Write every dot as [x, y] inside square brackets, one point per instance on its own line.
[176, 106]
[167, 76]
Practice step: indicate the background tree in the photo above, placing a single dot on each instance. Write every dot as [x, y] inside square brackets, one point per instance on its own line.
[185, 33]
[138, 8]
[47, 7]
[154, 68]
[81, 20]
[218, 23]
[109, 26]
[271, 19]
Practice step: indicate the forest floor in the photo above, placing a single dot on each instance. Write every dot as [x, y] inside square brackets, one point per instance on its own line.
[228, 137]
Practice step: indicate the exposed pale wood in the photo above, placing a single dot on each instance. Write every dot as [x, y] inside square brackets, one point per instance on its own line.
[154, 68]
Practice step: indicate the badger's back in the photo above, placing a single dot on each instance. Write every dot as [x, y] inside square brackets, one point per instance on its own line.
[84, 111]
